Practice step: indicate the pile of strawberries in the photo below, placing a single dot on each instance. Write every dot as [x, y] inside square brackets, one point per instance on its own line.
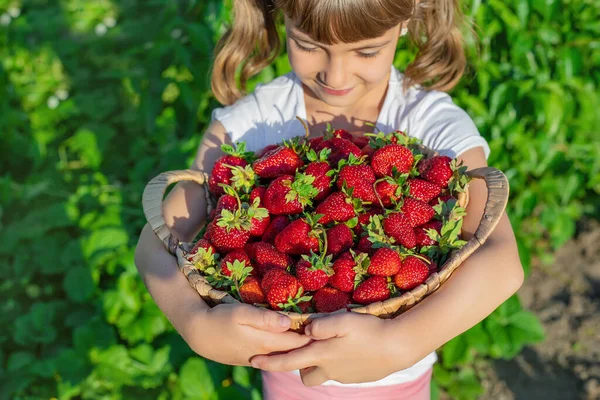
[330, 222]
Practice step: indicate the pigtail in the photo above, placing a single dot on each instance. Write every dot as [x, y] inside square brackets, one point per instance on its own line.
[435, 29]
[247, 47]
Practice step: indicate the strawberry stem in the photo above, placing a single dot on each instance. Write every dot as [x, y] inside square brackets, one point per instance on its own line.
[377, 194]
[307, 131]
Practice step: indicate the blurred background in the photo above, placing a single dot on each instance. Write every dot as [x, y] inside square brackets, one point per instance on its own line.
[98, 97]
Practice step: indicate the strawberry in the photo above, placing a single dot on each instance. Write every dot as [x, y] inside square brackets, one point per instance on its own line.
[387, 191]
[423, 190]
[397, 226]
[250, 291]
[265, 256]
[344, 134]
[340, 149]
[418, 212]
[339, 239]
[288, 195]
[421, 235]
[313, 272]
[285, 292]
[365, 246]
[430, 263]
[436, 170]
[299, 237]
[360, 141]
[385, 262]
[229, 232]
[412, 273]
[277, 224]
[236, 255]
[203, 255]
[222, 169]
[330, 299]
[348, 269]
[265, 150]
[321, 171]
[336, 207]
[386, 158]
[258, 193]
[277, 162]
[360, 180]
[363, 219]
[270, 278]
[367, 152]
[372, 290]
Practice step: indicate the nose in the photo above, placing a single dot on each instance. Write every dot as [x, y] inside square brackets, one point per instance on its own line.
[336, 73]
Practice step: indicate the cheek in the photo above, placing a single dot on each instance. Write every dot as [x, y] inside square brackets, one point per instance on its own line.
[375, 70]
[302, 63]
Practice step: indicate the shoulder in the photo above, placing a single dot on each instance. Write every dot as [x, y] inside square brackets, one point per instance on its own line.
[254, 117]
[433, 117]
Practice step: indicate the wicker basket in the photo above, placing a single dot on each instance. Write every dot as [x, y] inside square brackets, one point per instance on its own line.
[498, 190]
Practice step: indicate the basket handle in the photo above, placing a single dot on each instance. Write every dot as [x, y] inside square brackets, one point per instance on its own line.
[152, 200]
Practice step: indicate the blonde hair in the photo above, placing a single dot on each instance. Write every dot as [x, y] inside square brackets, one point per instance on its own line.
[253, 42]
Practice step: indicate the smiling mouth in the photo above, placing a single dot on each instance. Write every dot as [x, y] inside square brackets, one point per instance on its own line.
[335, 92]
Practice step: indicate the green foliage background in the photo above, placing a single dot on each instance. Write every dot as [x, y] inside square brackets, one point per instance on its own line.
[97, 97]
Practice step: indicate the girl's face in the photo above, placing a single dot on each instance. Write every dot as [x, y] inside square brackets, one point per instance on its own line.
[342, 74]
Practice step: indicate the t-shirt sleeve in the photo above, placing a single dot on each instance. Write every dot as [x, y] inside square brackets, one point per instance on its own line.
[241, 121]
[445, 127]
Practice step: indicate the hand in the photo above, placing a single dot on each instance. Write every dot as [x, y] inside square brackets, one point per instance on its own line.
[347, 348]
[234, 333]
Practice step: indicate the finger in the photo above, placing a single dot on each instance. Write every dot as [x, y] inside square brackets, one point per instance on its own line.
[284, 341]
[304, 357]
[314, 376]
[262, 319]
[327, 327]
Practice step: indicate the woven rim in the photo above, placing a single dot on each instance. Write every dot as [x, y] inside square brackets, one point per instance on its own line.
[498, 191]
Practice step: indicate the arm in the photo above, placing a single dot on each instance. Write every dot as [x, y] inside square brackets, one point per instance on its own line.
[484, 281]
[241, 330]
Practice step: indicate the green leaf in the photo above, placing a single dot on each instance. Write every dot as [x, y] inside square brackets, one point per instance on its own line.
[241, 376]
[529, 323]
[195, 380]
[78, 284]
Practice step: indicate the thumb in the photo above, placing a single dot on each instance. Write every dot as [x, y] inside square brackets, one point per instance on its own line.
[265, 320]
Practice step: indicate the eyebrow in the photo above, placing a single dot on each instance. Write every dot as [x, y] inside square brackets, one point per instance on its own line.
[371, 46]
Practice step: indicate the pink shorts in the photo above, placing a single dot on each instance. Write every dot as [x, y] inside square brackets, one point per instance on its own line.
[289, 386]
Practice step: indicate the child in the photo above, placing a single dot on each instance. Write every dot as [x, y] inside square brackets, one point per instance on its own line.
[341, 53]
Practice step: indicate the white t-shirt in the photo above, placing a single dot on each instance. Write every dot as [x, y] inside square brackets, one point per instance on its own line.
[268, 115]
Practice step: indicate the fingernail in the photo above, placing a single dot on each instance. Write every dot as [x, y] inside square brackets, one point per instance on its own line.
[284, 321]
[255, 365]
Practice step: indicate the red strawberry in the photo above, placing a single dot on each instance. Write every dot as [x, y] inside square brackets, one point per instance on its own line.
[277, 224]
[436, 170]
[227, 202]
[342, 133]
[330, 299]
[315, 142]
[385, 262]
[289, 195]
[336, 207]
[421, 233]
[312, 272]
[372, 290]
[221, 173]
[363, 219]
[417, 211]
[259, 216]
[277, 162]
[297, 238]
[200, 250]
[270, 278]
[359, 179]
[346, 268]
[265, 256]
[365, 246]
[322, 183]
[430, 263]
[227, 234]
[360, 141]
[412, 273]
[340, 149]
[339, 239]
[258, 193]
[236, 255]
[265, 150]
[397, 226]
[387, 192]
[259, 226]
[367, 151]
[283, 290]
[423, 190]
[393, 155]
[250, 291]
